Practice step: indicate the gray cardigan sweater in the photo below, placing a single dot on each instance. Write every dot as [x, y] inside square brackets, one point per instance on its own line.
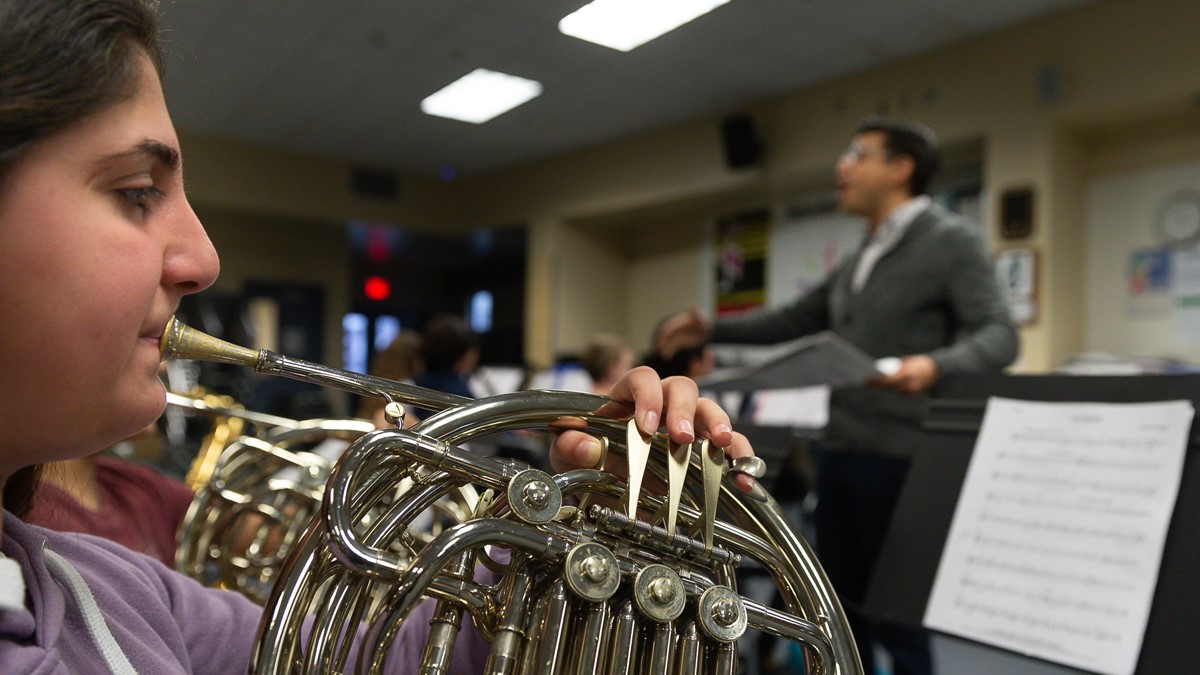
[934, 293]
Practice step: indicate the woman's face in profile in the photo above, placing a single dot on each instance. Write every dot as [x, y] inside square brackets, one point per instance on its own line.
[99, 243]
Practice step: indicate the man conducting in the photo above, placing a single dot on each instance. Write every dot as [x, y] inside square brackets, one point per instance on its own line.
[920, 287]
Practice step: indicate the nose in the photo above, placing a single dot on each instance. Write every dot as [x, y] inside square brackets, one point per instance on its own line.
[840, 169]
[190, 262]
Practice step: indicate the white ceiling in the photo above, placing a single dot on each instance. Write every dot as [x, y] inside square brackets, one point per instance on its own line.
[344, 78]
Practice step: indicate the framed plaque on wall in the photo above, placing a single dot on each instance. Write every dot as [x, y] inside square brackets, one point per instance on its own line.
[1016, 272]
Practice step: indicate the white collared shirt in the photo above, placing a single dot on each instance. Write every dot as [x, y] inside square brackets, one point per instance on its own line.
[885, 237]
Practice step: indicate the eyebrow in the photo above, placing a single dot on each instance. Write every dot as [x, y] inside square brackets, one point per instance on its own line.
[164, 154]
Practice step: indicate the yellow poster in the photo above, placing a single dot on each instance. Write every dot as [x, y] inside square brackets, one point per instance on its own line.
[741, 255]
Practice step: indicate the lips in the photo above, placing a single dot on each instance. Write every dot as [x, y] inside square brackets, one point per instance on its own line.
[155, 331]
[157, 325]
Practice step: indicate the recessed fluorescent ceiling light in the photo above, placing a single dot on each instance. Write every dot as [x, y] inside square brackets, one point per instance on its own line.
[480, 95]
[625, 24]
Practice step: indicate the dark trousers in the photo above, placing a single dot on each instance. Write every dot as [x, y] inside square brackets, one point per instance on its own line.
[856, 495]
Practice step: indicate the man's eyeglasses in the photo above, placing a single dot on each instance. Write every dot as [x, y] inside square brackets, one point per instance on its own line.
[854, 155]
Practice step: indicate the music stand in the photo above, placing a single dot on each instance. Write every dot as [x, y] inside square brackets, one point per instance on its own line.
[904, 575]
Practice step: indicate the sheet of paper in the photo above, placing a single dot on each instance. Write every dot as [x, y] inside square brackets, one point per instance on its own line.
[807, 408]
[820, 359]
[1055, 544]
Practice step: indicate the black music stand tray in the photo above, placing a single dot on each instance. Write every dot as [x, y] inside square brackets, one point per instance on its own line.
[904, 576]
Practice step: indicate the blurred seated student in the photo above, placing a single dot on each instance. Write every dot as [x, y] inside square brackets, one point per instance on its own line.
[106, 496]
[605, 359]
[693, 361]
[400, 361]
[450, 350]
[100, 243]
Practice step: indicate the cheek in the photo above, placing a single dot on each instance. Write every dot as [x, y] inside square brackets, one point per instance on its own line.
[77, 285]
[99, 305]
[72, 357]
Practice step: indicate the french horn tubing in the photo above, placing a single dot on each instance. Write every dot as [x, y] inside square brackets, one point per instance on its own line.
[259, 492]
[229, 421]
[572, 573]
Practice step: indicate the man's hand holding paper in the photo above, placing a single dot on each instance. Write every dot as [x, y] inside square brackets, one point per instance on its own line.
[911, 374]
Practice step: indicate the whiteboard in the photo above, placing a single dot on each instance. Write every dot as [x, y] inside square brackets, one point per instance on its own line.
[803, 250]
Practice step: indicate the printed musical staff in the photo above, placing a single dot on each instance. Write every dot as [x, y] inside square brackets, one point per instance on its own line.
[1056, 541]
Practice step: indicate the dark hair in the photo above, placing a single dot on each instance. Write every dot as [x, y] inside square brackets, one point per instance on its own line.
[447, 338]
[679, 363]
[19, 489]
[61, 61]
[906, 137]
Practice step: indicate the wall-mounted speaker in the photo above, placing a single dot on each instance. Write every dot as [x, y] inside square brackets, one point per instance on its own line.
[1050, 84]
[740, 138]
[1016, 213]
[374, 183]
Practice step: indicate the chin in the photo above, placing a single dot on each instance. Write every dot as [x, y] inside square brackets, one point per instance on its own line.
[150, 400]
[158, 398]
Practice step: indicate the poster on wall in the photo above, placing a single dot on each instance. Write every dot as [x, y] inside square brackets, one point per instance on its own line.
[741, 261]
[1149, 282]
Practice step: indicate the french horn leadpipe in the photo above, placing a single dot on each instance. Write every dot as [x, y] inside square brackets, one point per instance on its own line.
[660, 601]
[180, 341]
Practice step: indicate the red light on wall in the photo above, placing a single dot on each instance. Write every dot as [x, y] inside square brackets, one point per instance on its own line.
[377, 288]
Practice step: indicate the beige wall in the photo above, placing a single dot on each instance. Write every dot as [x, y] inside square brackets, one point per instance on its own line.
[277, 216]
[576, 289]
[599, 217]
[1117, 61]
[266, 248]
[1121, 210]
[255, 179]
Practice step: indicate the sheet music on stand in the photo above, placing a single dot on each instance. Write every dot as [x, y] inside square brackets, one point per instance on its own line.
[1055, 545]
[819, 359]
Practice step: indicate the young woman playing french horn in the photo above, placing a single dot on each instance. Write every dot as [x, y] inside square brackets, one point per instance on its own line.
[99, 244]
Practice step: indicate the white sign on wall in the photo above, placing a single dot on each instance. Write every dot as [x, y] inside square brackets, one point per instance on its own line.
[806, 249]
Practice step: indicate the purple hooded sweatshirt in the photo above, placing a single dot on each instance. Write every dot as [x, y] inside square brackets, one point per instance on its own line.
[150, 617]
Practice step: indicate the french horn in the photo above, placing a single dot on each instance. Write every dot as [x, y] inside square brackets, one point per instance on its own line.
[580, 572]
[229, 423]
[256, 493]
[257, 496]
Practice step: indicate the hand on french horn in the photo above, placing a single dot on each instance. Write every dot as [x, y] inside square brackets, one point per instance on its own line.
[675, 399]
